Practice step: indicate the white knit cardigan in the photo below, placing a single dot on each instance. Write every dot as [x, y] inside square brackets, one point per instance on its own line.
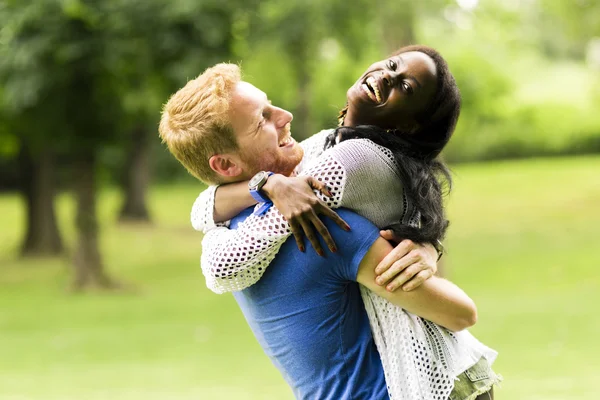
[421, 359]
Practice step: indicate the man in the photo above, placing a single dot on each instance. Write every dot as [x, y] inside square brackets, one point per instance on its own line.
[308, 316]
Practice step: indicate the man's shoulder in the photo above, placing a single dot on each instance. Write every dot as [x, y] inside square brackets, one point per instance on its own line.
[349, 215]
[341, 266]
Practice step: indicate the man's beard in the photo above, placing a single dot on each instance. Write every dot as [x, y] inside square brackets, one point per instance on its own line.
[280, 165]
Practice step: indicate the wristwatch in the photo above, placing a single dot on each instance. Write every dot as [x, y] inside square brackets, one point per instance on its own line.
[256, 184]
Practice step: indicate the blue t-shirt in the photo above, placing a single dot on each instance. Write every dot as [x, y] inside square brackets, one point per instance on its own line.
[308, 315]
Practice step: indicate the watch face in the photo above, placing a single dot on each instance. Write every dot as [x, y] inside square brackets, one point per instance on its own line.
[256, 179]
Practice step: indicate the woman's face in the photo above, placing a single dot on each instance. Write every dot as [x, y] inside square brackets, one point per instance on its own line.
[392, 92]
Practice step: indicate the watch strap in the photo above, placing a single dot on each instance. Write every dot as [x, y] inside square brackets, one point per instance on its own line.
[264, 207]
[258, 196]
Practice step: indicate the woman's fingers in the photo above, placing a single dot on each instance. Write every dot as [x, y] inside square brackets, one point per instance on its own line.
[328, 212]
[323, 231]
[312, 238]
[298, 236]
[318, 185]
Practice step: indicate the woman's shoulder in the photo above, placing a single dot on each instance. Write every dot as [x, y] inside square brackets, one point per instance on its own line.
[362, 150]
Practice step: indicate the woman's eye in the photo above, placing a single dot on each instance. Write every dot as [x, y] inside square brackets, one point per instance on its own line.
[407, 88]
[392, 64]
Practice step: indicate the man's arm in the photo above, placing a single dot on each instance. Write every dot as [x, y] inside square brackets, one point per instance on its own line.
[437, 299]
[231, 199]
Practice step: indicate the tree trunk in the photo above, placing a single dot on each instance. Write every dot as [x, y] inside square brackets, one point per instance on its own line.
[42, 237]
[137, 178]
[87, 260]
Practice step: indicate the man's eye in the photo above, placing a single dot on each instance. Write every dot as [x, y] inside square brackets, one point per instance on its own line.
[392, 64]
[406, 87]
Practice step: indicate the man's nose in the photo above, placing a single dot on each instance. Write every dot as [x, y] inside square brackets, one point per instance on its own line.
[283, 118]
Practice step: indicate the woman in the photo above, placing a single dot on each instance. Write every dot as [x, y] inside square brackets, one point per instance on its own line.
[414, 102]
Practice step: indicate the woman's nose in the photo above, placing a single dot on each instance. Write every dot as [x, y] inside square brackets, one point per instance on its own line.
[389, 78]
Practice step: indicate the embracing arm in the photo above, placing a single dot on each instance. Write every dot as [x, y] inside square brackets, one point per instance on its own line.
[436, 300]
[230, 200]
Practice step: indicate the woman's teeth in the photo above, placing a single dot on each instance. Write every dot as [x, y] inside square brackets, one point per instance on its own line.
[372, 90]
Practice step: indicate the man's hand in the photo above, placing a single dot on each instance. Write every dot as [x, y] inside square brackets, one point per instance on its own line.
[408, 265]
[295, 199]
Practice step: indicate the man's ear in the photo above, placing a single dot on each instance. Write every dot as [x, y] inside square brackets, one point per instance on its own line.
[225, 165]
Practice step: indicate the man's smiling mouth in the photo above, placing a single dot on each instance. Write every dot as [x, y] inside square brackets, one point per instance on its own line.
[371, 88]
[285, 141]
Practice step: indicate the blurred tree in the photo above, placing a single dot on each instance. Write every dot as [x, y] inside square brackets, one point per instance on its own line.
[69, 66]
[38, 185]
[156, 46]
[565, 27]
[24, 129]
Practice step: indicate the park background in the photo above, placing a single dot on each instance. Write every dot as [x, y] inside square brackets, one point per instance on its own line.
[101, 294]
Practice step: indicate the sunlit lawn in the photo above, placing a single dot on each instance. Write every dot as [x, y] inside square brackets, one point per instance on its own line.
[524, 243]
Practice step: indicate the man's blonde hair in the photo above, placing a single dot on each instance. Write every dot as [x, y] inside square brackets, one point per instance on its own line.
[195, 124]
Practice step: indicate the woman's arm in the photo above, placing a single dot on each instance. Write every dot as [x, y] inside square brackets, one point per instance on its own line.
[436, 300]
[293, 197]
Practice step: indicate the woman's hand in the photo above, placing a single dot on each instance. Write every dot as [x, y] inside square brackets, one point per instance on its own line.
[295, 199]
[407, 266]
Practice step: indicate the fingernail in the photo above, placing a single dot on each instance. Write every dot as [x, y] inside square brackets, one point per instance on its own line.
[302, 249]
[390, 288]
[347, 228]
[321, 253]
[334, 249]
[379, 281]
[329, 193]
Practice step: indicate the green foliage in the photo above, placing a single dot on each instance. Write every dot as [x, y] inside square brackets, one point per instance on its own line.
[517, 101]
[523, 249]
[106, 67]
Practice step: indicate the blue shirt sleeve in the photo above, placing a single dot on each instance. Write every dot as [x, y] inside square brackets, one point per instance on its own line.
[353, 245]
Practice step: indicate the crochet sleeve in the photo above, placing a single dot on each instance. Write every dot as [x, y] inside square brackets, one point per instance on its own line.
[202, 215]
[236, 259]
[363, 177]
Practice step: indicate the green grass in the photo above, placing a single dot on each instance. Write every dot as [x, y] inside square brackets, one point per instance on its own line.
[523, 243]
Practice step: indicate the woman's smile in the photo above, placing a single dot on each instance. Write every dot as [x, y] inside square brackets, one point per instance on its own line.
[373, 89]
